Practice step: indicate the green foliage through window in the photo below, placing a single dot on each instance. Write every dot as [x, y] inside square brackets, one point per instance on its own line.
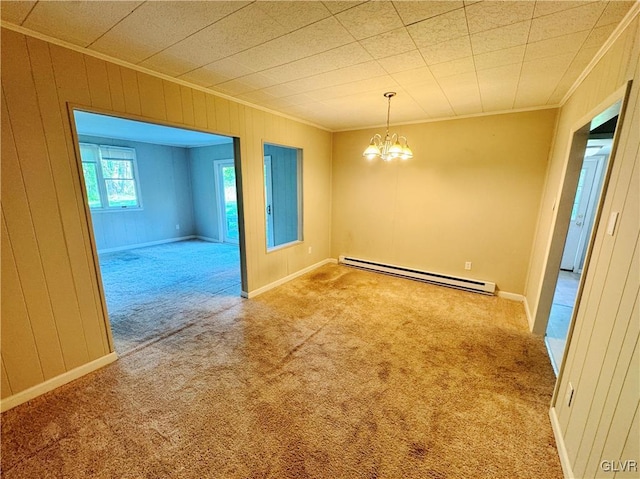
[113, 184]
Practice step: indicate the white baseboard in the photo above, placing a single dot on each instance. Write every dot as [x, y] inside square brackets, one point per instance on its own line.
[206, 238]
[256, 292]
[511, 296]
[562, 449]
[144, 245]
[53, 383]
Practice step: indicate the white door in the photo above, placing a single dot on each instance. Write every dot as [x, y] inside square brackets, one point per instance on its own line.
[579, 225]
[268, 189]
[225, 173]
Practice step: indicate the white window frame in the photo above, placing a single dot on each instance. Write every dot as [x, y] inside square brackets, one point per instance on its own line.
[129, 154]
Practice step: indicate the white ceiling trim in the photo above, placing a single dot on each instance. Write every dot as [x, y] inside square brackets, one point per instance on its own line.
[123, 63]
[624, 23]
[449, 118]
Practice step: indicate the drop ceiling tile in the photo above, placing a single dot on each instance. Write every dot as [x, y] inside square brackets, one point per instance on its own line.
[462, 82]
[319, 37]
[454, 67]
[498, 87]
[378, 84]
[497, 101]
[233, 87]
[500, 38]
[370, 19]
[334, 77]
[163, 23]
[339, 6]
[239, 31]
[614, 12]
[500, 58]
[76, 22]
[439, 29]
[488, 15]
[15, 12]
[389, 43]
[299, 99]
[534, 93]
[599, 35]
[343, 56]
[228, 68]
[555, 46]
[405, 61]
[539, 79]
[432, 100]
[294, 14]
[170, 64]
[361, 71]
[258, 81]
[446, 51]
[414, 77]
[257, 96]
[577, 66]
[282, 90]
[463, 93]
[217, 72]
[413, 12]
[205, 77]
[499, 75]
[547, 7]
[547, 67]
[566, 21]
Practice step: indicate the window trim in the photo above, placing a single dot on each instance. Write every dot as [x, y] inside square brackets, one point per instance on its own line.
[102, 185]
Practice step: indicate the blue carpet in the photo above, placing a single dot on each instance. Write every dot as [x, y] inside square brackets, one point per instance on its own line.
[153, 291]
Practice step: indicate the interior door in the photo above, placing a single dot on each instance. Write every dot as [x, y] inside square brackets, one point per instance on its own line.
[225, 172]
[579, 222]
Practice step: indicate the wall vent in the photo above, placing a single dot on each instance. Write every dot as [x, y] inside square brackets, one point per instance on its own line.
[474, 285]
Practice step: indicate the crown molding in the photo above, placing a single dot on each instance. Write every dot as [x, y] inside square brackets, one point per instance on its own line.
[132, 66]
[449, 118]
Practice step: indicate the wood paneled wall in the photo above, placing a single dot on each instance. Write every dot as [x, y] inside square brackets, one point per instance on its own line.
[602, 362]
[52, 316]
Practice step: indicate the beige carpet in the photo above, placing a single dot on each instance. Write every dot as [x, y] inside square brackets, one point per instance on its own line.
[338, 374]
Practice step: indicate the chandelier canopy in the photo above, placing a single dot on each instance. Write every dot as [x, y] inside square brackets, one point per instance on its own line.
[392, 146]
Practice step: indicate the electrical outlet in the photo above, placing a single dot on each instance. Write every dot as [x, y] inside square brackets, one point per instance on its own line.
[310, 249]
[570, 392]
[467, 265]
[177, 227]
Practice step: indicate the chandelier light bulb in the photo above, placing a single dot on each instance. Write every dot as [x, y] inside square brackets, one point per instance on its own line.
[393, 146]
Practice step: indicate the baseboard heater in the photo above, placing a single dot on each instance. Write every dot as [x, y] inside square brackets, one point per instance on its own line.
[477, 286]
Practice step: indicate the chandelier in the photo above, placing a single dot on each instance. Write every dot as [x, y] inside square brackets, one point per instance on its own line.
[391, 146]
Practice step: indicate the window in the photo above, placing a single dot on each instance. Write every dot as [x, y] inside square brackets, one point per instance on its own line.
[110, 176]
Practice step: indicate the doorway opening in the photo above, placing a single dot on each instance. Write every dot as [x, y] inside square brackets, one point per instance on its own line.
[165, 257]
[225, 178]
[586, 200]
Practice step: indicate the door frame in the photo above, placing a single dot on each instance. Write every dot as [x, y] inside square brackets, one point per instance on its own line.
[563, 205]
[268, 201]
[83, 202]
[222, 211]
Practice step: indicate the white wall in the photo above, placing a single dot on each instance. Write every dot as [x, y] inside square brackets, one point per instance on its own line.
[205, 197]
[165, 190]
